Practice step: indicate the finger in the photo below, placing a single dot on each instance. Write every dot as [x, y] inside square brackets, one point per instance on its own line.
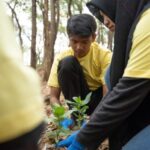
[63, 143]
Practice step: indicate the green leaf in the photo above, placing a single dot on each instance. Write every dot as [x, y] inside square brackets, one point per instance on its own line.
[68, 113]
[74, 98]
[58, 111]
[77, 99]
[87, 98]
[70, 102]
[83, 109]
[74, 109]
[76, 115]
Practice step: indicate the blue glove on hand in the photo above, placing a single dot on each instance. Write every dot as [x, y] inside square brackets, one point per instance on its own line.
[76, 146]
[66, 123]
[68, 141]
[71, 142]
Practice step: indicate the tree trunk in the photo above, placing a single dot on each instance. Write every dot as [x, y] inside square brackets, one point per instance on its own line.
[50, 32]
[100, 34]
[34, 31]
[46, 59]
[14, 16]
[110, 40]
[69, 8]
[79, 6]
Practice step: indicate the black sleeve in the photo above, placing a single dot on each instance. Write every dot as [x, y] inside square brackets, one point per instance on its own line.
[114, 108]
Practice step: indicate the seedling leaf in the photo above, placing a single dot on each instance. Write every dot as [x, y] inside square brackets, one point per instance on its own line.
[87, 98]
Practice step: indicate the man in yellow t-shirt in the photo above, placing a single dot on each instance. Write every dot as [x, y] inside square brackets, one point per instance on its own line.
[21, 108]
[81, 68]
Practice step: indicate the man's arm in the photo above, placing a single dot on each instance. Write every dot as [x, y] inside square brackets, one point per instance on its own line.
[55, 95]
[115, 107]
[105, 90]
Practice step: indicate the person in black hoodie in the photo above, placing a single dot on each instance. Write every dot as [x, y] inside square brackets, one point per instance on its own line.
[124, 111]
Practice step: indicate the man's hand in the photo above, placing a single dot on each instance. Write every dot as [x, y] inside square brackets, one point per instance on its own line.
[68, 141]
[71, 143]
[66, 123]
[76, 146]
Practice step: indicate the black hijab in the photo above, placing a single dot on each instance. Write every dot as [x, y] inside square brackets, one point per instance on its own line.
[123, 13]
[104, 5]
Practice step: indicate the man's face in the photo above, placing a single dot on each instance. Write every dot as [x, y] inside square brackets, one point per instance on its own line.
[81, 45]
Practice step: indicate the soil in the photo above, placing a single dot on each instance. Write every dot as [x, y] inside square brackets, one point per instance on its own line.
[45, 143]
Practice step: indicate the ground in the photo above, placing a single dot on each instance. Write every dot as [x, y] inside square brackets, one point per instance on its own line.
[44, 142]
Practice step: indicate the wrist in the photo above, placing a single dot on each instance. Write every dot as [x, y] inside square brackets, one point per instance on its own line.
[54, 101]
[77, 145]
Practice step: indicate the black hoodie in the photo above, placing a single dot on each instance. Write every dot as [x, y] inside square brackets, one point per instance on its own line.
[123, 13]
[124, 111]
[108, 8]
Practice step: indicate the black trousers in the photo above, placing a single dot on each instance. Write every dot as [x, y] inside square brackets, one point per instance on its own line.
[28, 141]
[72, 82]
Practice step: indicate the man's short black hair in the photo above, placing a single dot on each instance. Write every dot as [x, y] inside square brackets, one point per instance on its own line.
[83, 25]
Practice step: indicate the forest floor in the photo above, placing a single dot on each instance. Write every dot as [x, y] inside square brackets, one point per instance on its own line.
[44, 142]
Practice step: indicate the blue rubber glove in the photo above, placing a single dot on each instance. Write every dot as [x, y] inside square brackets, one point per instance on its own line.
[76, 146]
[68, 141]
[66, 123]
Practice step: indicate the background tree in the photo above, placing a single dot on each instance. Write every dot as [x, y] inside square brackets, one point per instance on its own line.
[50, 32]
[69, 8]
[100, 33]
[33, 40]
[42, 39]
[110, 40]
[12, 6]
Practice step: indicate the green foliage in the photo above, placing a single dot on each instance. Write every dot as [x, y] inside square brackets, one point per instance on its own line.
[62, 29]
[57, 131]
[79, 108]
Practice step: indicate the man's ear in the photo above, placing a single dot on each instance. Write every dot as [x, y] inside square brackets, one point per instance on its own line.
[93, 37]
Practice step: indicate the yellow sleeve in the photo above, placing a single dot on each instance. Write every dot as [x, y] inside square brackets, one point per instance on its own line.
[53, 78]
[139, 61]
[21, 108]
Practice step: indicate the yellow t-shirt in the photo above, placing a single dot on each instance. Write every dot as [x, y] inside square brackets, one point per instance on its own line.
[21, 108]
[139, 61]
[94, 65]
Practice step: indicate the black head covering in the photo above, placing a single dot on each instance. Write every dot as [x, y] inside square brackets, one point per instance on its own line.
[123, 13]
[105, 6]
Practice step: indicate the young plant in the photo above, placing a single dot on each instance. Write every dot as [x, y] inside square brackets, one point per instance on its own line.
[79, 108]
[57, 132]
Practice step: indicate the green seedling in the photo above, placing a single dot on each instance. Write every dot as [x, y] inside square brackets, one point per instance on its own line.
[57, 132]
[79, 108]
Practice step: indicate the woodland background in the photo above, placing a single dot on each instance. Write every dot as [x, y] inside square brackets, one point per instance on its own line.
[41, 29]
